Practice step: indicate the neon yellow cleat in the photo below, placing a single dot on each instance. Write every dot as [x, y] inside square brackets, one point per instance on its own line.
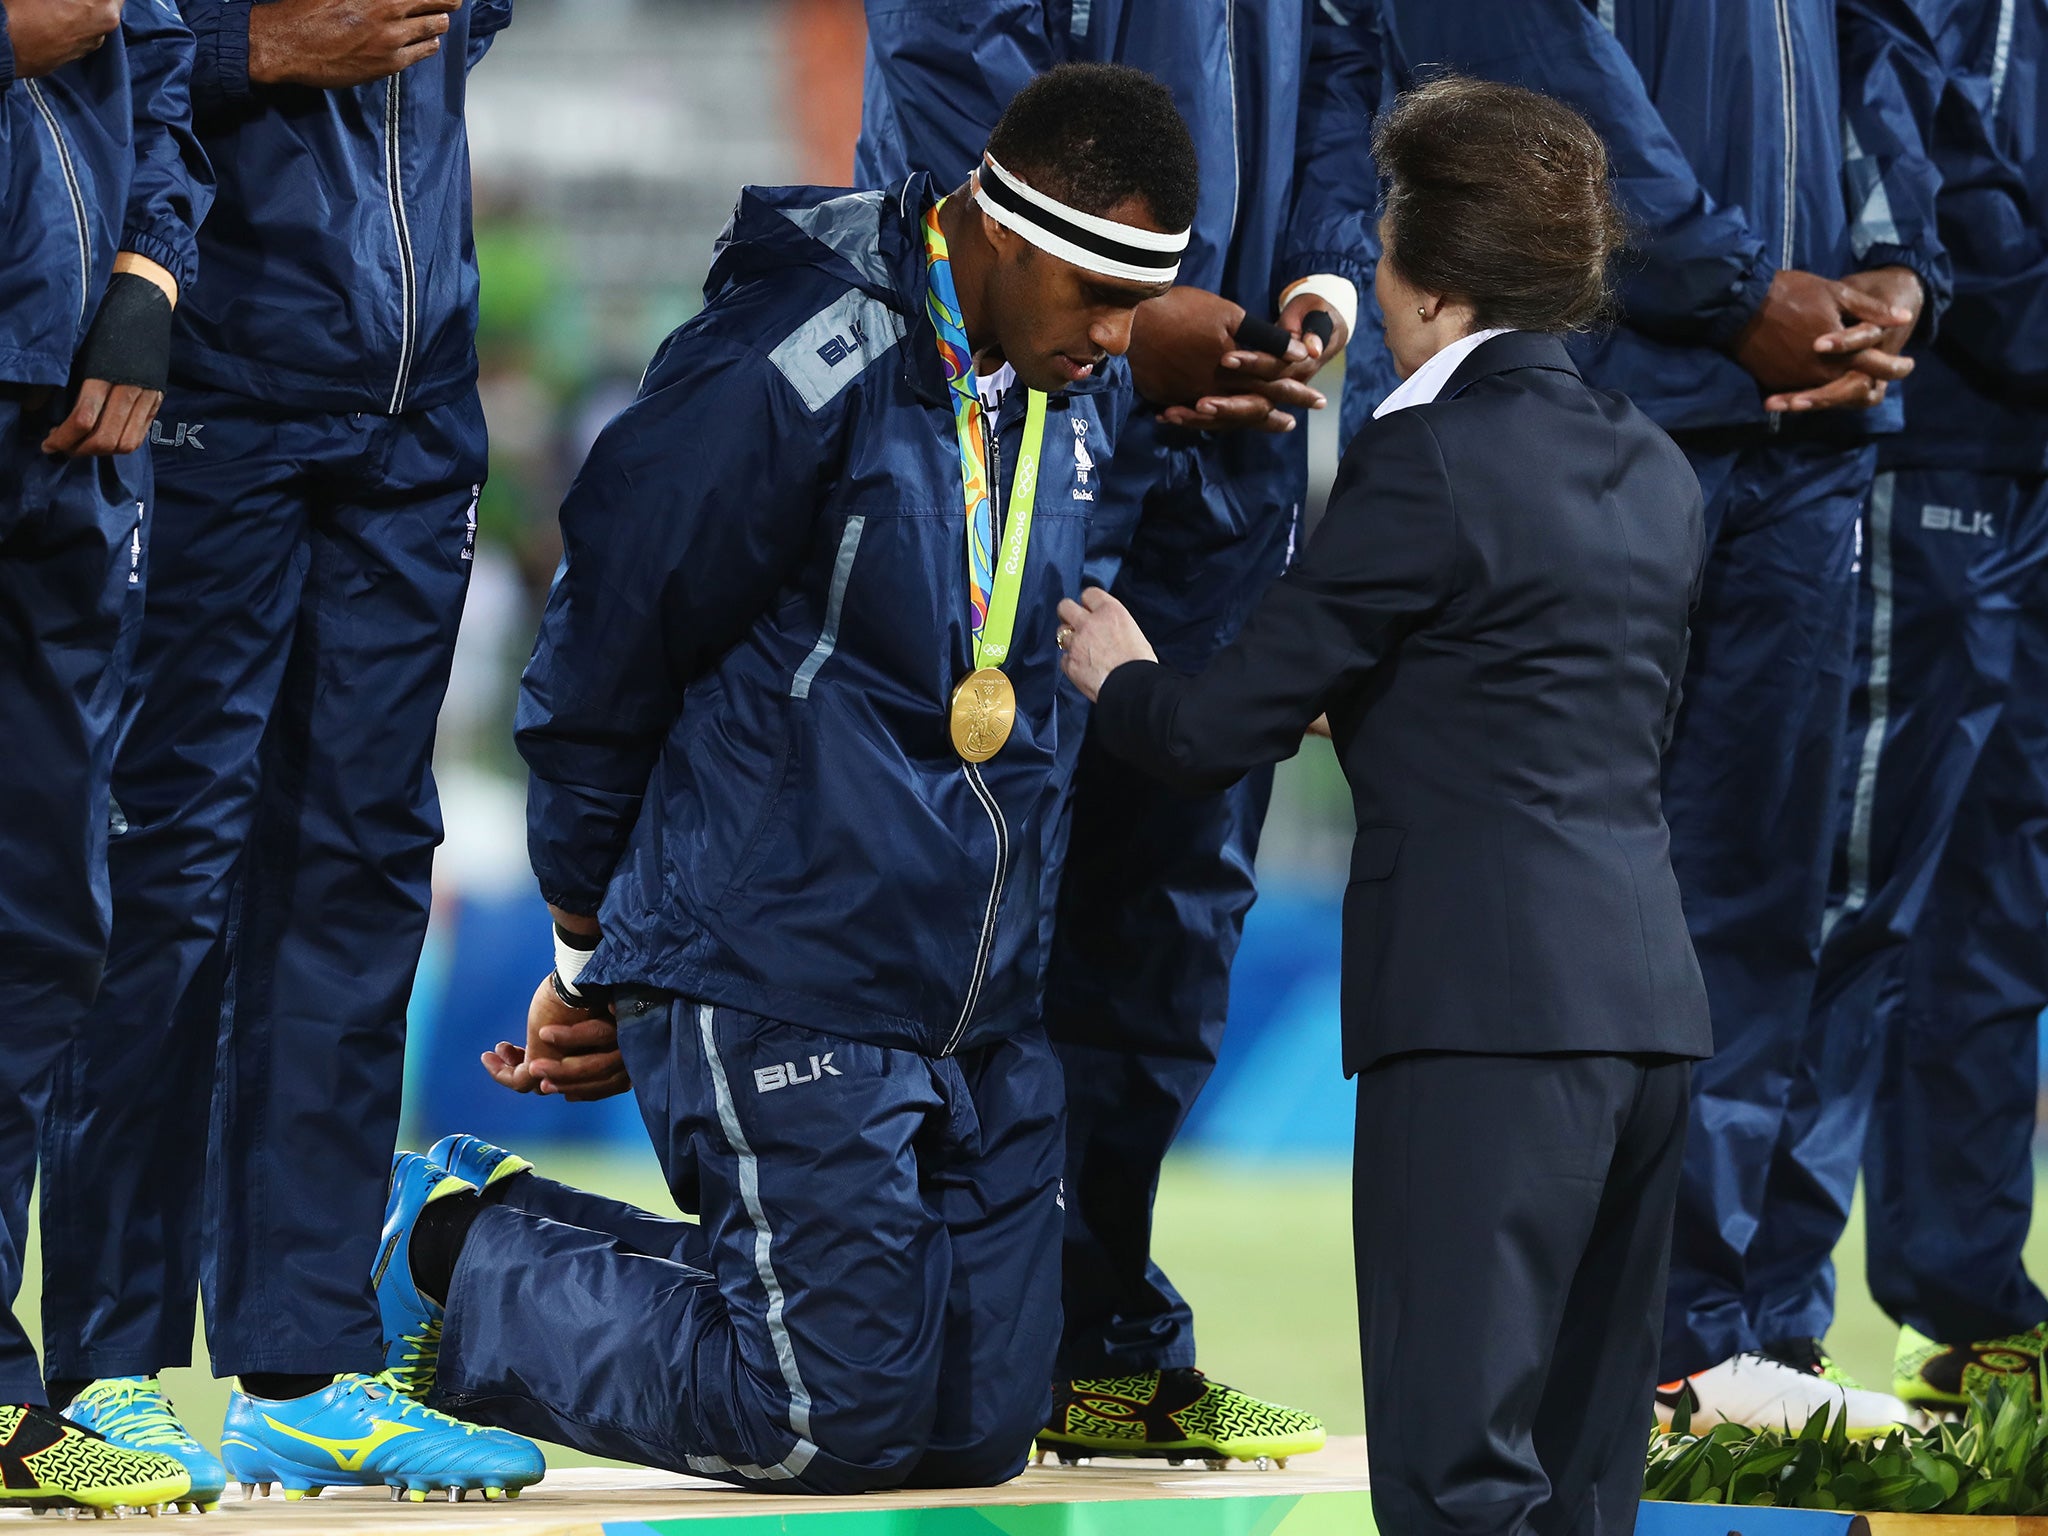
[47, 1462]
[1177, 1414]
[1942, 1378]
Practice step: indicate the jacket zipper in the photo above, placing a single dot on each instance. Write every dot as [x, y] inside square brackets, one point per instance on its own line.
[35, 92]
[394, 187]
[972, 773]
[2001, 54]
[1236, 149]
[1789, 89]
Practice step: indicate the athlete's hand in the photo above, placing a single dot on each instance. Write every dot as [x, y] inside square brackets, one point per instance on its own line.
[1870, 350]
[48, 34]
[573, 1052]
[334, 44]
[107, 419]
[1182, 347]
[1780, 345]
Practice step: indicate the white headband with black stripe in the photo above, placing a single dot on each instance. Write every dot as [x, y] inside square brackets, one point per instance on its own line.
[1095, 244]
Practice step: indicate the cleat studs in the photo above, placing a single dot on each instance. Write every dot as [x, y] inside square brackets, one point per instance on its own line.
[1264, 1464]
[1280, 1462]
[513, 1493]
[397, 1492]
[293, 1495]
[1216, 1463]
[492, 1494]
[416, 1495]
[454, 1494]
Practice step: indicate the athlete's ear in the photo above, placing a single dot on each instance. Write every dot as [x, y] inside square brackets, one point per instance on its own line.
[1005, 242]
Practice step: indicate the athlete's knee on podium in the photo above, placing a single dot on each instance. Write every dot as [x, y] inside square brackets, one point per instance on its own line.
[870, 1441]
[985, 1464]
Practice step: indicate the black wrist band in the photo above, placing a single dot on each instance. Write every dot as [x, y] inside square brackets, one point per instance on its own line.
[589, 998]
[130, 338]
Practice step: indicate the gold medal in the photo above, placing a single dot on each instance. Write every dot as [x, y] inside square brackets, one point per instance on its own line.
[984, 709]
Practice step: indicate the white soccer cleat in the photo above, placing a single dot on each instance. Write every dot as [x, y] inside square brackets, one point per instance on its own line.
[1763, 1393]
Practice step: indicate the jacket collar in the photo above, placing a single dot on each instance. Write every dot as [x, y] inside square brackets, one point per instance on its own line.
[1505, 354]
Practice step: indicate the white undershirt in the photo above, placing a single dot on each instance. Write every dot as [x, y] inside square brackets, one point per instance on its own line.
[1427, 382]
[993, 386]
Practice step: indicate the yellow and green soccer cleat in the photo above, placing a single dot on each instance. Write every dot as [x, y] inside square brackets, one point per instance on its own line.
[1180, 1415]
[50, 1463]
[1942, 1378]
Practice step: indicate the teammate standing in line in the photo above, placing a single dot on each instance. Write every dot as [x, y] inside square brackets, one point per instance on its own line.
[318, 460]
[1190, 528]
[794, 727]
[1788, 251]
[101, 188]
[1940, 904]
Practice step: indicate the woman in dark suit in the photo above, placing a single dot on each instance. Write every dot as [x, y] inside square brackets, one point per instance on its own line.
[1493, 617]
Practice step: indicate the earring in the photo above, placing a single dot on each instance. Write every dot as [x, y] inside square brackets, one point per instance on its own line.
[1422, 310]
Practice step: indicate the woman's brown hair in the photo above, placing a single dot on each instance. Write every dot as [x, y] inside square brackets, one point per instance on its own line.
[1500, 197]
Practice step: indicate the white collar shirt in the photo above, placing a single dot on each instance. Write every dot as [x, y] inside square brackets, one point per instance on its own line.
[1427, 382]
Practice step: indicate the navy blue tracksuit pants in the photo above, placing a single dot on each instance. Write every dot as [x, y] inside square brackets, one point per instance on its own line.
[270, 893]
[1153, 897]
[1949, 558]
[874, 1301]
[1948, 1163]
[71, 590]
[1750, 789]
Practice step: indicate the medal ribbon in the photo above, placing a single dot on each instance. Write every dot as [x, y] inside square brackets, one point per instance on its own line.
[992, 584]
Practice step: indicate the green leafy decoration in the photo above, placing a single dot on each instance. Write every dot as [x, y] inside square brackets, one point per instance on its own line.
[1994, 1462]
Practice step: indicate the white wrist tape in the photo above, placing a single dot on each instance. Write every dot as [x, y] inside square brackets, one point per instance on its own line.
[569, 960]
[1340, 293]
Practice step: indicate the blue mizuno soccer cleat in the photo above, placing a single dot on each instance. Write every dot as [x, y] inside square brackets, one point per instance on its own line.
[474, 1159]
[362, 1431]
[412, 1322]
[132, 1411]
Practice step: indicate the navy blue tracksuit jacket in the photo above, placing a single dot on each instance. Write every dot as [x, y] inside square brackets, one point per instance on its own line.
[1746, 137]
[318, 457]
[1279, 95]
[825, 926]
[95, 158]
[773, 819]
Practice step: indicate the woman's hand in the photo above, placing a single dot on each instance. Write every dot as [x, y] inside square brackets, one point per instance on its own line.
[1099, 635]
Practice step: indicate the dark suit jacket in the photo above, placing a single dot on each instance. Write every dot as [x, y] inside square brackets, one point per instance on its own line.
[1494, 615]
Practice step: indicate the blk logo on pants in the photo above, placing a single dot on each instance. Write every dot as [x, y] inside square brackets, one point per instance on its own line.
[1955, 520]
[184, 435]
[785, 1074]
